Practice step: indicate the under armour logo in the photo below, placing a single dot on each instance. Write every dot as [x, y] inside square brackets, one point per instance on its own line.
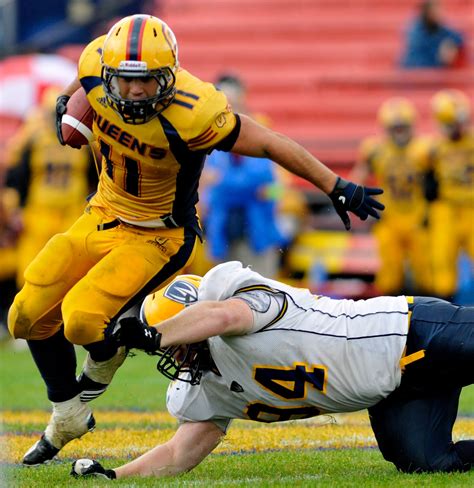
[147, 333]
[342, 199]
[234, 386]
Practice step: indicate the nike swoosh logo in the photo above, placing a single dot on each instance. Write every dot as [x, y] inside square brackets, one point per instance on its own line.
[342, 199]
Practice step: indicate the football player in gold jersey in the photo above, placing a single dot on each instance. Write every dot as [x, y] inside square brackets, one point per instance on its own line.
[155, 124]
[53, 181]
[398, 161]
[452, 210]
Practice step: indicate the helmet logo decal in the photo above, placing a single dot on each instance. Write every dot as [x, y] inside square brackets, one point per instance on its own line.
[133, 65]
[182, 292]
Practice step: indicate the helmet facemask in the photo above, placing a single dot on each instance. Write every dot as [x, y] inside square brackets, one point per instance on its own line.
[401, 134]
[184, 362]
[139, 111]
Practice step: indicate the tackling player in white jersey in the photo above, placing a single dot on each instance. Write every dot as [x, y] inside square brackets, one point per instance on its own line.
[255, 348]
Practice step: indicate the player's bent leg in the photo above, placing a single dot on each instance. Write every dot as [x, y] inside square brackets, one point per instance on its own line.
[33, 314]
[121, 280]
[36, 316]
[70, 420]
[56, 360]
[415, 432]
[96, 376]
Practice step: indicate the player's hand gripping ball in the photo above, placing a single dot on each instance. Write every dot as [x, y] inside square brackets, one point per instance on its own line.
[76, 121]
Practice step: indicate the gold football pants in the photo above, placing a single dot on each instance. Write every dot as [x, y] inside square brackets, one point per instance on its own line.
[86, 276]
[402, 240]
[40, 224]
[451, 230]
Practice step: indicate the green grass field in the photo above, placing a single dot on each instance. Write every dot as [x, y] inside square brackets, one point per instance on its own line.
[131, 418]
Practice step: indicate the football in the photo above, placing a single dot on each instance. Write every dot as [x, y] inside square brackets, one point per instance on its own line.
[76, 123]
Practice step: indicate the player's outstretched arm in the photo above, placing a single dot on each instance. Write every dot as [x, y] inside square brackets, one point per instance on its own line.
[258, 141]
[194, 324]
[192, 442]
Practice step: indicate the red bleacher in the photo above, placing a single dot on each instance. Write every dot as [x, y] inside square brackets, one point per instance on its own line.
[318, 68]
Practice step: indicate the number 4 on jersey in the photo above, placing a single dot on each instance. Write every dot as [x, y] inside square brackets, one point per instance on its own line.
[290, 383]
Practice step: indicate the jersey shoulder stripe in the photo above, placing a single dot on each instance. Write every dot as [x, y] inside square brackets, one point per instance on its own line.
[187, 94]
[177, 101]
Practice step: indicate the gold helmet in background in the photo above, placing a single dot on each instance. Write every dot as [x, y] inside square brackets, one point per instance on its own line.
[451, 107]
[397, 111]
[397, 116]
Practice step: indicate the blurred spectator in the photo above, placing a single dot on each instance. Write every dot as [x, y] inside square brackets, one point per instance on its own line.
[52, 181]
[49, 24]
[452, 189]
[430, 43]
[241, 221]
[398, 161]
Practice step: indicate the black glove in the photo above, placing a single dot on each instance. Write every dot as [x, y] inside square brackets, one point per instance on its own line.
[133, 333]
[61, 108]
[89, 467]
[355, 198]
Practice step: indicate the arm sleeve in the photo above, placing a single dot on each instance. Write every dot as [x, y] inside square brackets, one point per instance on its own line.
[228, 142]
[266, 306]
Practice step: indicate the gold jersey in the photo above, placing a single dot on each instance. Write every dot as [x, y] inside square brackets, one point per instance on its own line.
[453, 165]
[53, 176]
[152, 170]
[399, 171]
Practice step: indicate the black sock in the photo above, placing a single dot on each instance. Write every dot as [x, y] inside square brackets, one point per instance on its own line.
[55, 359]
[102, 350]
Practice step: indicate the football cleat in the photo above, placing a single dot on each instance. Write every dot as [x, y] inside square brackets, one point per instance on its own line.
[70, 420]
[42, 452]
[97, 375]
[89, 467]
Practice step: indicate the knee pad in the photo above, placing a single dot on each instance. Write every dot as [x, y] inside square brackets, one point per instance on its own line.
[51, 263]
[19, 325]
[91, 303]
[24, 324]
[84, 327]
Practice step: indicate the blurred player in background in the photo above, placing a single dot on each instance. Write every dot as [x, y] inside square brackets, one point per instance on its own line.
[53, 181]
[155, 124]
[451, 189]
[10, 229]
[398, 161]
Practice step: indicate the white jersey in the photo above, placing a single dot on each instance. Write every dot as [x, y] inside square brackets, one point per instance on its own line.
[305, 355]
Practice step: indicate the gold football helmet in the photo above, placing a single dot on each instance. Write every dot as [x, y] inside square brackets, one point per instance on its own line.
[183, 362]
[451, 107]
[171, 299]
[397, 116]
[140, 46]
[397, 111]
